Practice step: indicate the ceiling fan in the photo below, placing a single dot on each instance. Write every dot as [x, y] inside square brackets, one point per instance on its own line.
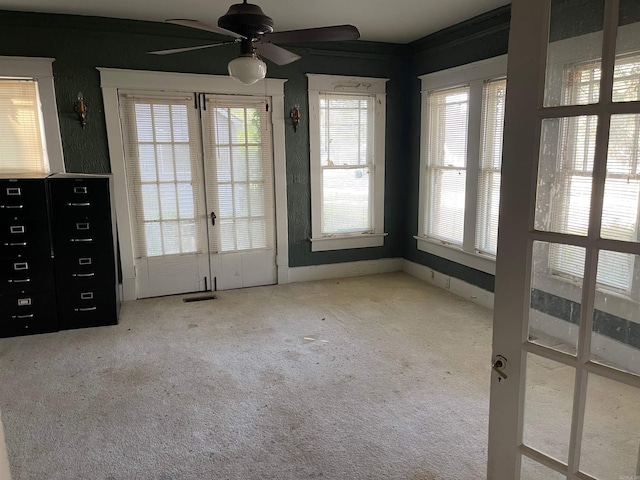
[248, 25]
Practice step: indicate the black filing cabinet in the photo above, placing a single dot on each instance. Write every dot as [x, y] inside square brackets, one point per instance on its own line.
[27, 284]
[57, 253]
[83, 244]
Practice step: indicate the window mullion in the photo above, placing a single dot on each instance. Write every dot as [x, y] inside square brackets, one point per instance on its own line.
[474, 133]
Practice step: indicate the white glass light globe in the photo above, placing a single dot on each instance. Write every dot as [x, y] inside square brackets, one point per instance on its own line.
[247, 69]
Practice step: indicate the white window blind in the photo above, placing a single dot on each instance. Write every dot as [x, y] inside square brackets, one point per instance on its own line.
[446, 164]
[238, 162]
[22, 147]
[161, 151]
[490, 164]
[347, 163]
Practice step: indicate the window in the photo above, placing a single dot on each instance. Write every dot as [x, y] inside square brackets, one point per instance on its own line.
[29, 131]
[347, 128]
[461, 153]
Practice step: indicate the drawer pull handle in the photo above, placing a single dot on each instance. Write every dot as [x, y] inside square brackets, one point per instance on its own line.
[14, 191]
[79, 189]
[85, 309]
[79, 204]
[16, 244]
[20, 280]
[16, 229]
[21, 266]
[15, 207]
[81, 240]
[21, 317]
[82, 275]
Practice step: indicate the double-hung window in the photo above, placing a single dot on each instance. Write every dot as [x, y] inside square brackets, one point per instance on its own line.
[461, 153]
[29, 131]
[347, 128]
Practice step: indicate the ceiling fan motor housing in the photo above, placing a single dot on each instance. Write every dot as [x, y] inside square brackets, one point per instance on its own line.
[246, 19]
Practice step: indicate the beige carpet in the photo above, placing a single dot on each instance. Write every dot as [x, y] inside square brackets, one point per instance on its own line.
[365, 378]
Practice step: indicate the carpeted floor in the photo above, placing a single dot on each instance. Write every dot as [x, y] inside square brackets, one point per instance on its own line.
[378, 377]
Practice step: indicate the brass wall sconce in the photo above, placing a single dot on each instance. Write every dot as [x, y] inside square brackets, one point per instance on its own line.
[81, 109]
[295, 117]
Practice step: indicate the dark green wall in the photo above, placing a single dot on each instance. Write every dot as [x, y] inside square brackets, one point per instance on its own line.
[79, 44]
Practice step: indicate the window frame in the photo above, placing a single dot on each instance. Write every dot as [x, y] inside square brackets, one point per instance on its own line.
[40, 70]
[338, 84]
[473, 74]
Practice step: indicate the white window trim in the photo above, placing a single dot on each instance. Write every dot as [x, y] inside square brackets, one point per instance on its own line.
[113, 80]
[473, 74]
[40, 69]
[344, 84]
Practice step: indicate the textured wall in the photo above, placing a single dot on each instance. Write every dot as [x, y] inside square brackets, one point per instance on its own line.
[79, 44]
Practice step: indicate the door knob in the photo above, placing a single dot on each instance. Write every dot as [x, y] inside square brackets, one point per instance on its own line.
[499, 365]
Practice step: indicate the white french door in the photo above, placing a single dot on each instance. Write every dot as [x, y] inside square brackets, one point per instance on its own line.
[238, 169]
[565, 387]
[199, 182]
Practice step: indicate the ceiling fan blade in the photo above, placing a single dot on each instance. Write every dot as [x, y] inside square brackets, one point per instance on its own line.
[276, 54]
[321, 34]
[203, 26]
[187, 49]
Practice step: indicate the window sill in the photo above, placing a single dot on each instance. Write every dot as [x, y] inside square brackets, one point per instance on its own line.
[456, 254]
[342, 242]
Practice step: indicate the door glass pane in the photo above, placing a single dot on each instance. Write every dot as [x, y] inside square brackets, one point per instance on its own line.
[239, 166]
[565, 169]
[162, 180]
[548, 406]
[575, 42]
[556, 295]
[611, 435]
[627, 68]
[622, 186]
[616, 324]
[532, 470]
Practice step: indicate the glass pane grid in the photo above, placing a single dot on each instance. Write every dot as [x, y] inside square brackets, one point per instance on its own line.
[165, 187]
[241, 186]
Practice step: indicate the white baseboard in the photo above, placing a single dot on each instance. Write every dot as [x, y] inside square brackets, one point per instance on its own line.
[5, 472]
[454, 285]
[339, 270]
[386, 265]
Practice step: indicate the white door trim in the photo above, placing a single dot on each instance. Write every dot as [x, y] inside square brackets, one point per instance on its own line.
[113, 79]
[521, 134]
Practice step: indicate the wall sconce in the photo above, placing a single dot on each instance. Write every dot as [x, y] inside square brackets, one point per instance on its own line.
[295, 117]
[81, 109]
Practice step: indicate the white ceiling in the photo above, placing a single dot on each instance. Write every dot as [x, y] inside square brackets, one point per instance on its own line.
[394, 21]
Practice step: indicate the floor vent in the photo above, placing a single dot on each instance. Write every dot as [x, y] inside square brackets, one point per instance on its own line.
[200, 298]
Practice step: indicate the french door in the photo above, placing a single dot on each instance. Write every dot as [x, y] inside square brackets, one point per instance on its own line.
[200, 189]
[565, 386]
